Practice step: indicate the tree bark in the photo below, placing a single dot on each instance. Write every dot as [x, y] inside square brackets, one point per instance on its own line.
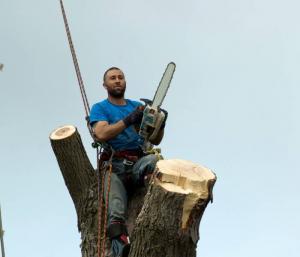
[164, 223]
[168, 223]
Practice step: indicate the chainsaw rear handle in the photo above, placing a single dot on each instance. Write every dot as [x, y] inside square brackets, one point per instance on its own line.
[146, 101]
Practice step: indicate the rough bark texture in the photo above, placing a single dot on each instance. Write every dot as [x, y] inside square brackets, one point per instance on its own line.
[157, 231]
[77, 171]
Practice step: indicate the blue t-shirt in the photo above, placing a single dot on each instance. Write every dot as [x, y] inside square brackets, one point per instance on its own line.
[128, 139]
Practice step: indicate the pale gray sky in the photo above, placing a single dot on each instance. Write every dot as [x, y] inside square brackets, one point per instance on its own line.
[233, 107]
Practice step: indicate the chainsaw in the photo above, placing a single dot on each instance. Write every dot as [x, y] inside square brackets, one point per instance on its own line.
[153, 116]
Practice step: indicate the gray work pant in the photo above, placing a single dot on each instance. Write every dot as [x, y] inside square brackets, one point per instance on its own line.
[122, 173]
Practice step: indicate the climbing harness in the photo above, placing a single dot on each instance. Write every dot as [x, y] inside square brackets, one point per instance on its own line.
[101, 166]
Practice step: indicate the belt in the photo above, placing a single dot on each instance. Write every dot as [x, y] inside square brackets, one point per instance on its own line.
[130, 155]
[136, 152]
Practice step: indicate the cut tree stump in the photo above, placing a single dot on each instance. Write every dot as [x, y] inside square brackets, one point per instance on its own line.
[164, 222]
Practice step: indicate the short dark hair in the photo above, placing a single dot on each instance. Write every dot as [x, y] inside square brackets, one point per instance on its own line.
[111, 68]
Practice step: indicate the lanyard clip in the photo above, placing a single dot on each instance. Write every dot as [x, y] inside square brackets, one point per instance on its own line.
[127, 162]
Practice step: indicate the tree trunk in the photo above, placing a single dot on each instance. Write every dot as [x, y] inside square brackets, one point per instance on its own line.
[173, 206]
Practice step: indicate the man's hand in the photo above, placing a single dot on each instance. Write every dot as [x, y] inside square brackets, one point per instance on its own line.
[134, 118]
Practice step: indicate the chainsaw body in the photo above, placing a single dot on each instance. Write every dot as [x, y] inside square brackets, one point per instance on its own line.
[153, 117]
[151, 122]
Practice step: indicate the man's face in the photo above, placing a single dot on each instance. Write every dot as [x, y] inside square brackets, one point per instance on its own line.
[115, 83]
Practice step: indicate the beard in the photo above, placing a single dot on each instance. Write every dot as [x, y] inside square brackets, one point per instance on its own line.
[116, 92]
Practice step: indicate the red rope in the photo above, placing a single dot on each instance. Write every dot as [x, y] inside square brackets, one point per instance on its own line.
[106, 208]
[101, 245]
[101, 178]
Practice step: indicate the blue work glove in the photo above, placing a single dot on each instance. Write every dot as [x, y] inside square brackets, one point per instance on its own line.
[134, 117]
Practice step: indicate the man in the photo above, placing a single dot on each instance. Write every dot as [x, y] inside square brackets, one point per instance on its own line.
[114, 120]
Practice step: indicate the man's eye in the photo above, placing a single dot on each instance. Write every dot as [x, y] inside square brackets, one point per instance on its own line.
[113, 77]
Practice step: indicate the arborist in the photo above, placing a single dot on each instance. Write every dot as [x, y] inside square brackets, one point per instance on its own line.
[114, 121]
[125, 153]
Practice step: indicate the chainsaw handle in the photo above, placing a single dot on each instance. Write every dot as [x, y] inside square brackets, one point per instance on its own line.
[159, 121]
[146, 101]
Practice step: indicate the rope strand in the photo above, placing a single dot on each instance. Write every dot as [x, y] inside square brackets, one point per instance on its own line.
[100, 202]
[101, 177]
[75, 61]
[106, 208]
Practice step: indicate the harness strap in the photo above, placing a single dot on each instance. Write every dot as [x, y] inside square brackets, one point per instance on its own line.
[130, 155]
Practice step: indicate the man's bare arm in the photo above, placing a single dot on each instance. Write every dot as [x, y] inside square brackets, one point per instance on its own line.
[104, 131]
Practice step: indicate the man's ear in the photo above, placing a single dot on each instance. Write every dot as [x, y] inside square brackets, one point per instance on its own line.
[104, 86]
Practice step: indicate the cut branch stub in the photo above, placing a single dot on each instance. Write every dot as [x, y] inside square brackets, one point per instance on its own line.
[173, 207]
[186, 178]
[63, 132]
[77, 171]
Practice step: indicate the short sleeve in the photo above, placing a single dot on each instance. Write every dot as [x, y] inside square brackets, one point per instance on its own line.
[135, 103]
[97, 114]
